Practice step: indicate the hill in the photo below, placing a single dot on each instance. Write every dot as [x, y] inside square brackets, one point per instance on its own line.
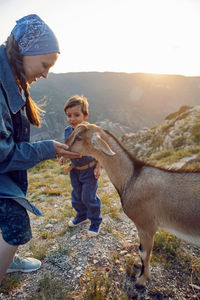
[121, 102]
[174, 142]
[76, 267]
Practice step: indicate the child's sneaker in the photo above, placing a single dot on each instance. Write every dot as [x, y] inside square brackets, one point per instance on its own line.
[24, 264]
[75, 222]
[93, 230]
[2, 297]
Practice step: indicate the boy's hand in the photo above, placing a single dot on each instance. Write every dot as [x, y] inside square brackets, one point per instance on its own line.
[97, 170]
[62, 150]
[62, 161]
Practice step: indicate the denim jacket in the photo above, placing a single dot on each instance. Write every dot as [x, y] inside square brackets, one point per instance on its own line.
[17, 154]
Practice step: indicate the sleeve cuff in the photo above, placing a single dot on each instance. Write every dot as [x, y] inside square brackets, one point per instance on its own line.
[46, 149]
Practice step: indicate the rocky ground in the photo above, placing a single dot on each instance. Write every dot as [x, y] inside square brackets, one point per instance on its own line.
[79, 263]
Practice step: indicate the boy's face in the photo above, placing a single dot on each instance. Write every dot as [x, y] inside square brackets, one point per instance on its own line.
[75, 116]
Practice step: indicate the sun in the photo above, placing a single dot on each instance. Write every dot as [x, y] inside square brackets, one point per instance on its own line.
[157, 36]
[161, 41]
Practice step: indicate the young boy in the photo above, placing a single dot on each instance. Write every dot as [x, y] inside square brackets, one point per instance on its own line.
[84, 174]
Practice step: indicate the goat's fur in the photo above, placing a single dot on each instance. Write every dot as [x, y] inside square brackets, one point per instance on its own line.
[151, 197]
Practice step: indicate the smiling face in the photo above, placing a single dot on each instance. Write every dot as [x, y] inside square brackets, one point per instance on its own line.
[37, 66]
[75, 115]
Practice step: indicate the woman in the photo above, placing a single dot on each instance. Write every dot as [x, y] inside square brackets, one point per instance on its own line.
[28, 54]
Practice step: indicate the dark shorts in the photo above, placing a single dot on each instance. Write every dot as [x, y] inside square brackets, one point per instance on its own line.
[14, 222]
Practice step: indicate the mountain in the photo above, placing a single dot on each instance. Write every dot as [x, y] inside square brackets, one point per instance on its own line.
[173, 143]
[121, 102]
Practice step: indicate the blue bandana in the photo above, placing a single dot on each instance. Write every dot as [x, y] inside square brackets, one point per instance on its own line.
[34, 37]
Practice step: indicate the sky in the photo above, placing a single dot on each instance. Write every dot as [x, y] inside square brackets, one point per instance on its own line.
[151, 36]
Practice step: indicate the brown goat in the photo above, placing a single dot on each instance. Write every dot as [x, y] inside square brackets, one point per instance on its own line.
[151, 197]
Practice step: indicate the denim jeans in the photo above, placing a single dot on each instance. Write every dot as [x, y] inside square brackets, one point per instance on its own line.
[84, 198]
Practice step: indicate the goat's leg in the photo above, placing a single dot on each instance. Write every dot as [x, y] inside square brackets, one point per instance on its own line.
[145, 248]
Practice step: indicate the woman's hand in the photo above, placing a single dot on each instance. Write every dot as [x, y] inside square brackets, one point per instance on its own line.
[62, 150]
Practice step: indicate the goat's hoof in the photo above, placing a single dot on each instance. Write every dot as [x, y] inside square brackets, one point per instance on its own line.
[140, 283]
[140, 287]
[137, 267]
[137, 264]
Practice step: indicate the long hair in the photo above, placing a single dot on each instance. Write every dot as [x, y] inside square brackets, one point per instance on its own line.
[15, 58]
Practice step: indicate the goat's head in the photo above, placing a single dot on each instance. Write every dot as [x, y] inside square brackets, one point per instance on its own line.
[88, 139]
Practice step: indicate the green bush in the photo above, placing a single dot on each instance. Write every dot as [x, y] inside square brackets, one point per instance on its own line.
[166, 247]
[160, 155]
[182, 109]
[50, 289]
[195, 133]
[179, 142]
[165, 128]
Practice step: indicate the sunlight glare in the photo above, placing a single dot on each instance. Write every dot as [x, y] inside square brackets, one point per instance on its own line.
[154, 36]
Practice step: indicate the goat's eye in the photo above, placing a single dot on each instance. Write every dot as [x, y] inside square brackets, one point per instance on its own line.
[78, 138]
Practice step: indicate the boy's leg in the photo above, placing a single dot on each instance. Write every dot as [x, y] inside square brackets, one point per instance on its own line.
[92, 202]
[7, 253]
[77, 204]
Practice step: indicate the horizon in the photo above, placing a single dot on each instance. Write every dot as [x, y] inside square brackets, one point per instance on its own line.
[120, 36]
[131, 73]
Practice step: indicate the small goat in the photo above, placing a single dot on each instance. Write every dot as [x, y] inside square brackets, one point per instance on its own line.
[151, 197]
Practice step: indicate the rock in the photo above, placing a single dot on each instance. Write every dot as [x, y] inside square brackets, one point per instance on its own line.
[48, 226]
[194, 286]
[95, 261]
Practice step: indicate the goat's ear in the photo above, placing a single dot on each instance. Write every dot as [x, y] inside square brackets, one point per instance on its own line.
[81, 128]
[101, 145]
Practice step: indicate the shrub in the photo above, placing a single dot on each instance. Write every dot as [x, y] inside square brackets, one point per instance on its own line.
[195, 133]
[180, 141]
[10, 282]
[50, 289]
[177, 113]
[166, 247]
[160, 155]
